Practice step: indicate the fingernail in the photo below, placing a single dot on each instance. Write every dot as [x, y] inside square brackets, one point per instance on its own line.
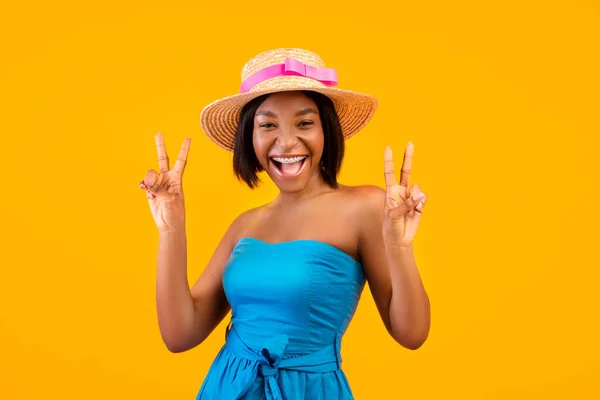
[418, 196]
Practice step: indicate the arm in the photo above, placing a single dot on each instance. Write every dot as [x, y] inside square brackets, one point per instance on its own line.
[188, 316]
[393, 276]
[185, 317]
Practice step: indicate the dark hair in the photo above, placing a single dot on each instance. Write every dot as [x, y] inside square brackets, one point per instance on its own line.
[245, 164]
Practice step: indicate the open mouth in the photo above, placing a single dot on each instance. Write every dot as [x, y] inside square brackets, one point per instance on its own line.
[288, 167]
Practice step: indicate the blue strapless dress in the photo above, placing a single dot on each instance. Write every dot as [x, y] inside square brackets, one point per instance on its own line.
[291, 303]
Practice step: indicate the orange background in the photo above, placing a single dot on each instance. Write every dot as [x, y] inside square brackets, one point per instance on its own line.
[501, 100]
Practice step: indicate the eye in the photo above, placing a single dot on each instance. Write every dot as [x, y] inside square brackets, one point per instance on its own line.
[267, 125]
[305, 123]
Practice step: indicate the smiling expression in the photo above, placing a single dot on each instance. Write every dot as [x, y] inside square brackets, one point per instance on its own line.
[288, 140]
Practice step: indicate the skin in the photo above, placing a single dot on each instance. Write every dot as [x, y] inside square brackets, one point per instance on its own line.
[374, 226]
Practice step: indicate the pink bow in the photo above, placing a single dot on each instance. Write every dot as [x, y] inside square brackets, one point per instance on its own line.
[291, 66]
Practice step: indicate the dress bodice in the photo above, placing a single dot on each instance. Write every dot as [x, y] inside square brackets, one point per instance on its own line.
[291, 303]
[305, 289]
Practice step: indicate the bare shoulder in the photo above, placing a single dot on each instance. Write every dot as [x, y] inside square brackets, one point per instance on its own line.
[365, 204]
[366, 199]
[234, 232]
[243, 221]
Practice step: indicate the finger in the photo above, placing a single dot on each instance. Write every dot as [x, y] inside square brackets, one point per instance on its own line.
[181, 161]
[161, 149]
[419, 211]
[145, 188]
[419, 205]
[406, 164]
[407, 206]
[390, 178]
[400, 211]
[391, 203]
[414, 189]
[151, 180]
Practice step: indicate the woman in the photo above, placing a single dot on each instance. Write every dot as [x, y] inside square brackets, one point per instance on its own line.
[291, 271]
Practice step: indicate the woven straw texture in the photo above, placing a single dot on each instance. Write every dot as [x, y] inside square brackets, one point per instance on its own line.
[220, 118]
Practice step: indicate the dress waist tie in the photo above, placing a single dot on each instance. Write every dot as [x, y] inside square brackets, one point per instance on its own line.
[270, 359]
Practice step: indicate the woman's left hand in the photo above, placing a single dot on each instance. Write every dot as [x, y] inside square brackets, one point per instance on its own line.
[403, 205]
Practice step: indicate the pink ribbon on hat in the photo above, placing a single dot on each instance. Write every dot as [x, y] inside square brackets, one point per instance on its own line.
[291, 67]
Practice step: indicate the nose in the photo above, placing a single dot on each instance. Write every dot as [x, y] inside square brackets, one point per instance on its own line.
[287, 138]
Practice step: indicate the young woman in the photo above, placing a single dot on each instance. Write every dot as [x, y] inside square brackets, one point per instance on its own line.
[291, 271]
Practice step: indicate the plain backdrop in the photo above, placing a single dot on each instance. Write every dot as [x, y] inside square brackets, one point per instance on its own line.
[500, 99]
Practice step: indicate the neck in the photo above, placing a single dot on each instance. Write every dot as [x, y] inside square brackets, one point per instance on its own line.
[314, 187]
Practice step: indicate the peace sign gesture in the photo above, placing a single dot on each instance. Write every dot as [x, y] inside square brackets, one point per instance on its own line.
[403, 206]
[164, 190]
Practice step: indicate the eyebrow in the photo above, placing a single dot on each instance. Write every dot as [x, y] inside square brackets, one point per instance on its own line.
[306, 111]
[271, 114]
[266, 113]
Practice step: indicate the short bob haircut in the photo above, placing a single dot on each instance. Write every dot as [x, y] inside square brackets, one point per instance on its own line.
[245, 164]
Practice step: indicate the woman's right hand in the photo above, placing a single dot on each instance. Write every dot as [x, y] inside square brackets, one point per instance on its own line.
[164, 189]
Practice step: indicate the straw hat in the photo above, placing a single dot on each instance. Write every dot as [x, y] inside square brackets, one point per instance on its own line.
[281, 70]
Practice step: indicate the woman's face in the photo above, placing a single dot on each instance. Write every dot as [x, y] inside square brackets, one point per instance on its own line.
[288, 140]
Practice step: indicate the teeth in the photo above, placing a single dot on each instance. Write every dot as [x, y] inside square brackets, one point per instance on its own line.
[288, 160]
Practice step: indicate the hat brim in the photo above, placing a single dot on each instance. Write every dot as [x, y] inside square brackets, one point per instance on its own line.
[219, 119]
